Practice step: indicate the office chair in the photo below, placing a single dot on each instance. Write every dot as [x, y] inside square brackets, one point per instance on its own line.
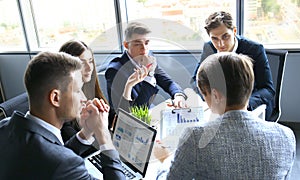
[19, 103]
[277, 60]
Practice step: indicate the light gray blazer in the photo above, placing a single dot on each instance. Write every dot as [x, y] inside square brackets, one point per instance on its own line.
[236, 145]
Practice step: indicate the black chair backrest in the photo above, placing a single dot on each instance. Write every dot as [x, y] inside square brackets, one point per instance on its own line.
[12, 73]
[277, 60]
[19, 103]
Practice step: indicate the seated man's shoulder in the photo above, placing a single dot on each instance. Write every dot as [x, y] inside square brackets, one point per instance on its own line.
[243, 41]
[286, 130]
[52, 152]
[277, 130]
[114, 64]
[62, 160]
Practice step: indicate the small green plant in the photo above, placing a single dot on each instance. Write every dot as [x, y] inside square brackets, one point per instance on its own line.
[142, 113]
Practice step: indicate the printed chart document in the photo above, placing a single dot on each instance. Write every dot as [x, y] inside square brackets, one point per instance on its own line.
[174, 121]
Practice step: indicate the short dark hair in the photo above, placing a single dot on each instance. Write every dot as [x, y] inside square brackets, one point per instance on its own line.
[135, 28]
[218, 18]
[229, 73]
[47, 71]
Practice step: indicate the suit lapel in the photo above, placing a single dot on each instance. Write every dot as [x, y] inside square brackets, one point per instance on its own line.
[25, 124]
[127, 64]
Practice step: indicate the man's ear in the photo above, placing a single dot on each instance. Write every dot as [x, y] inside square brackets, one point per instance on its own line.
[126, 44]
[216, 96]
[55, 97]
[234, 31]
[218, 101]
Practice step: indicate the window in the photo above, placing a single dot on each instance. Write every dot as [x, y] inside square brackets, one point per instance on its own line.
[176, 24]
[273, 22]
[11, 33]
[58, 21]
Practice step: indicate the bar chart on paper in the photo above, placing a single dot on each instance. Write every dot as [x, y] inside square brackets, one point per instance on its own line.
[181, 119]
[174, 121]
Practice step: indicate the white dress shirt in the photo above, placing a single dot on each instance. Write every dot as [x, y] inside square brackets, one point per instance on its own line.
[57, 131]
[46, 125]
[149, 79]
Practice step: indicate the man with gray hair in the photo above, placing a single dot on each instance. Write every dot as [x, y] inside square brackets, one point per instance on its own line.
[136, 57]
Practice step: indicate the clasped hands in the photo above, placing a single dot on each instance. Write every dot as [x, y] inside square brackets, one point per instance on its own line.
[94, 117]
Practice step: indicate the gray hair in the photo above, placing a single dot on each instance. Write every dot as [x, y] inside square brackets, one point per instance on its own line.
[135, 28]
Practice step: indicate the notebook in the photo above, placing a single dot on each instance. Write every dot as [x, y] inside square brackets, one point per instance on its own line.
[134, 141]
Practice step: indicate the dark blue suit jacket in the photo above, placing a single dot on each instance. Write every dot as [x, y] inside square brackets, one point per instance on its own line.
[263, 91]
[117, 73]
[29, 151]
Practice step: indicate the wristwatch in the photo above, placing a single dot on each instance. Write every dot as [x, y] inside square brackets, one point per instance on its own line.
[181, 94]
[151, 73]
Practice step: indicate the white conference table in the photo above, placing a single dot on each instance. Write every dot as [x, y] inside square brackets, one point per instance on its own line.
[194, 100]
[171, 142]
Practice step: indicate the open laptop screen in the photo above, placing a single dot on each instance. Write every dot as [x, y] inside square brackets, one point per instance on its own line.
[134, 141]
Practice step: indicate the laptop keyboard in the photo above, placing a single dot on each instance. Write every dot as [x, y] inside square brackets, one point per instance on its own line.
[127, 173]
[95, 160]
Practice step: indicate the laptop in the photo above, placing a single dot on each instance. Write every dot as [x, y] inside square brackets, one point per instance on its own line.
[134, 141]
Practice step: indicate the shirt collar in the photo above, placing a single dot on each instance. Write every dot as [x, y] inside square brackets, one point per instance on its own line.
[46, 125]
[132, 61]
[236, 43]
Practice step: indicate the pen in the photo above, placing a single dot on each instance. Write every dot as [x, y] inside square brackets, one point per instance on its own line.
[165, 147]
[148, 66]
[161, 144]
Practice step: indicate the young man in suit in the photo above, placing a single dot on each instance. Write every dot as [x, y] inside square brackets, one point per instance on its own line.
[237, 144]
[119, 70]
[222, 32]
[31, 144]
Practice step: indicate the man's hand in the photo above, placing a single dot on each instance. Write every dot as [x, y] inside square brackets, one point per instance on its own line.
[85, 132]
[135, 78]
[148, 61]
[94, 119]
[179, 101]
[160, 151]
[98, 114]
[97, 121]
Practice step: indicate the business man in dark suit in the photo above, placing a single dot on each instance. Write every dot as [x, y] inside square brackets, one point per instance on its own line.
[222, 32]
[31, 144]
[119, 69]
